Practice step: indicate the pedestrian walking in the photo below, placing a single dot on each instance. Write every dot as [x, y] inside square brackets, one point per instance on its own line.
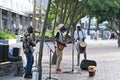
[95, 35]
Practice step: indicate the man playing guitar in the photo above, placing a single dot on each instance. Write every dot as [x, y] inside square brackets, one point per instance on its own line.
[60, 46]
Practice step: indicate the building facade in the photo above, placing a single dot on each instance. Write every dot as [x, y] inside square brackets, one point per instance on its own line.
[15, 14]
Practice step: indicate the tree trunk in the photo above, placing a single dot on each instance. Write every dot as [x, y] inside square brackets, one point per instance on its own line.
[119, 40]
[54, 57]
[33, 20]
[42, 42]
[88, 32]
[40, 15]
[97, 25]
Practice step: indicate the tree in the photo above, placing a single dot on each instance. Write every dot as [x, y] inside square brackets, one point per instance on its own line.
[33, 19]
[105, 10]
[42, 42]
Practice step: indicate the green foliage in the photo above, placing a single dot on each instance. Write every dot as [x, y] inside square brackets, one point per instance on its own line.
[6, 35]
[64, 12]
[105, 10]
[48, 33]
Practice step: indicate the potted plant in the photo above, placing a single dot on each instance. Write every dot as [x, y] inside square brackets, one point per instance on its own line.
[6, 37]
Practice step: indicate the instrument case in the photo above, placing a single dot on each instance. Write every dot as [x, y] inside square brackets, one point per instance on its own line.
[86, 63]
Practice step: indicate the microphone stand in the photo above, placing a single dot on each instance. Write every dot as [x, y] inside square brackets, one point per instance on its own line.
[50, 78]
[72, 71]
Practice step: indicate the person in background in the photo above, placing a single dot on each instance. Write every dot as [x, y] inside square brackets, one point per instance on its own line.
[28, 45]
[95, 35]
[79, 36]
[60, 46]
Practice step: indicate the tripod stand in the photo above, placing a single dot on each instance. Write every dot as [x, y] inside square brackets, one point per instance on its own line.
[72, 71]
[50, 78]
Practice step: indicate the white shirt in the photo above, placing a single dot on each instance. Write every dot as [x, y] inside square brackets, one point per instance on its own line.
[60, 36]
[80, 33]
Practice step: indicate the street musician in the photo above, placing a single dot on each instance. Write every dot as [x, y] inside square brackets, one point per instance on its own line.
[60, 46]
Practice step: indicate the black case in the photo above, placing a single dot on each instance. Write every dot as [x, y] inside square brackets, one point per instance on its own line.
[86, 63]
[14, 58]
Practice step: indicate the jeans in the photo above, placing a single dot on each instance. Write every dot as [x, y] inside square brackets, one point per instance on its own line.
[30, 61]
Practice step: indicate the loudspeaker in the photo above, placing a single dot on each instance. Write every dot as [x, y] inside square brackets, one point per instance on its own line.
[1, 53]
[16, 51]
[4, 52]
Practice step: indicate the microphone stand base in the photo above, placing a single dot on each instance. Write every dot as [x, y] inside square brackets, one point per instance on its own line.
[72, 72]
[50, 78]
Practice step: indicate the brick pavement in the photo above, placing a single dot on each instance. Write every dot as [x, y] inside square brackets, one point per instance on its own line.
[105, 52]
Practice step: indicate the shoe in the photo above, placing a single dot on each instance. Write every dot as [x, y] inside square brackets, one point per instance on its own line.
[58, 70]
[28, 76]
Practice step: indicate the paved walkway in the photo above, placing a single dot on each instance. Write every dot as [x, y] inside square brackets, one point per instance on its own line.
[105, 52]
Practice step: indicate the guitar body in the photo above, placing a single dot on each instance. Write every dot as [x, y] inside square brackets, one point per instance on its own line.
[61, 45]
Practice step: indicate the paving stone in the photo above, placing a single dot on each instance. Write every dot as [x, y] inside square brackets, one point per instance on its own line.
[104, 52]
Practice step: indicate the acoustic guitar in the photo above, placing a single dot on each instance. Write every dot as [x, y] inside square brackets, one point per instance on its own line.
[61, 45]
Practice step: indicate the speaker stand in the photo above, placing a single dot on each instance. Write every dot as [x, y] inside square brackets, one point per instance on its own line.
[72, 71]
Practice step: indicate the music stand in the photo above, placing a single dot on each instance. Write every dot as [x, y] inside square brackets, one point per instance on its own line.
[72, 71]
[50, 78]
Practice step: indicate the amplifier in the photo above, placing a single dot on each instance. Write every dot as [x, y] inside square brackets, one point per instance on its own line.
[16, 51]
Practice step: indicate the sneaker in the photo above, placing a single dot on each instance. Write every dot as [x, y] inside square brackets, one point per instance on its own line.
[28, 76]
[58, 70]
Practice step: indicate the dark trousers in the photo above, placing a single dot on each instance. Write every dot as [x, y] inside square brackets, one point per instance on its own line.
[30, 61]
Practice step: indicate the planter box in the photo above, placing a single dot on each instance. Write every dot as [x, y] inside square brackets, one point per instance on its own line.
[11, 68]
[10, 41]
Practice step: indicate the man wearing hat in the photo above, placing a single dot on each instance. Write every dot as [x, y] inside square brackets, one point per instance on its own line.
[60, 45]
[79, 36]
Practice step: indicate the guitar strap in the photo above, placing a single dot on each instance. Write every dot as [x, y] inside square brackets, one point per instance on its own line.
[83, 36]
[59, 45]
[78, 34]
